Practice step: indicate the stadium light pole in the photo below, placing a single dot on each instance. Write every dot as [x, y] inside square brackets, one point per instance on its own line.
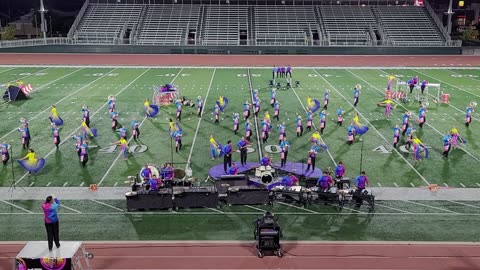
[43, 23]
[449, 13]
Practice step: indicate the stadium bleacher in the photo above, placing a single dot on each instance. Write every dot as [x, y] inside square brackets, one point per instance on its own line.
[282, 25]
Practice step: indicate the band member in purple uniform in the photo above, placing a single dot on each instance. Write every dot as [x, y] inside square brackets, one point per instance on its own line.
[246, 109]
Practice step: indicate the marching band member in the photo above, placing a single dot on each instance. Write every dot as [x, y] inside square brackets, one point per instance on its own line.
[422, 112]
[447, 142]
[281, 129]
[31, 163]
[276, 112]
[309, 120]
[412, 82]
[232, 170]
[56, 135]
[111, 103]
[391, 78]
[340, 170]
[456, 139]
[405, 118]
[242, 147]
[122, 132]
[199, 106]
[265, 130]
[83, 153]
[356, 95]
[216, 112]
[246, 109]
[78, 143]
[388, 107]
[266, 161]
[123, 143]
[361, 181]
[150, 110]
[248, 130]
[284, 147]
[326, 97]
[177, 135]
[323, 120]
[214, 147]
[54, 118]
[257, 105]
[86, 131]
[86, 115]
[418, 149]
[135, 129]
[468, 113]
[227, 155]
[25, 136]
[273, 95]
[409, 134]
[222, 103]
[312, 155]
[325, 181]
[171, 126]
[290, 180]
[178, 104]
[351, 134]
[5, 155]
[423, 85]
[396, 136]
[315, 138]
[236, 120]
[340, 113]
[114, 116]
[359, 128]
[299, 126]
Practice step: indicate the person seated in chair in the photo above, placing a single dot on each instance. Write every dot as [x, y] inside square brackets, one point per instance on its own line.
[325, 182]
[266, 161]
[232, 170]
[290, 180]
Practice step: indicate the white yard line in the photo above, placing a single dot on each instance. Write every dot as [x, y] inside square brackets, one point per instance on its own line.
[260, 155]
[96, 112]
[189, 160]
[374, 128]
[6, 70]
[215, 210]
[255, 208]
[294, 206]
[69, 208]
[49, 107]
[466, 204]
[18, 207]
[315, 127]
[27, 76]
[399, 104]
[131, 138]
[393, 208]
[433, 207]
[108, 205]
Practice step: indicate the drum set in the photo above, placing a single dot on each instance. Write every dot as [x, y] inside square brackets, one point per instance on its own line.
[265, 174]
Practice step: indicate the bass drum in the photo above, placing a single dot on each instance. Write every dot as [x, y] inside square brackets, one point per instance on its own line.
[153, 167]
[266, 177]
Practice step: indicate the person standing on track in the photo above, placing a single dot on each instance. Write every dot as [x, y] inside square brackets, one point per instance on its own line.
[50, 209]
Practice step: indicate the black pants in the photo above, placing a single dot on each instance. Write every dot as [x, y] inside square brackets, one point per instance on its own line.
[52, 234]
[284, 160]
[227, 161]
[243, 156]
[313, 164]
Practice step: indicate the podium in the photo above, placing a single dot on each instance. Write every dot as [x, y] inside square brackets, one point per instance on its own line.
[70, 256]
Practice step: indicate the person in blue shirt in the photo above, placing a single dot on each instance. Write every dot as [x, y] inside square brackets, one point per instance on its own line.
[233, 170]
[50, 209]
[325, 182]
[361, 181]
[227, 156]
[265, 161]
[284, 146]
[447, 143]
[146, 173]
[242, 147]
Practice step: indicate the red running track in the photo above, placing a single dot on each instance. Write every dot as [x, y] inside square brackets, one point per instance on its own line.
[306, 255]
[239, 60]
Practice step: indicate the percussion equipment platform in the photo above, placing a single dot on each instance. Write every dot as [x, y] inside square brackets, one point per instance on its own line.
[245, 195]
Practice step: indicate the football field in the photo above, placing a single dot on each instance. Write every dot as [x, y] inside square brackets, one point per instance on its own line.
[69, 88]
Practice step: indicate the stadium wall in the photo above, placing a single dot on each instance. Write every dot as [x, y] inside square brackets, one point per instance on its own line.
[237, 50]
